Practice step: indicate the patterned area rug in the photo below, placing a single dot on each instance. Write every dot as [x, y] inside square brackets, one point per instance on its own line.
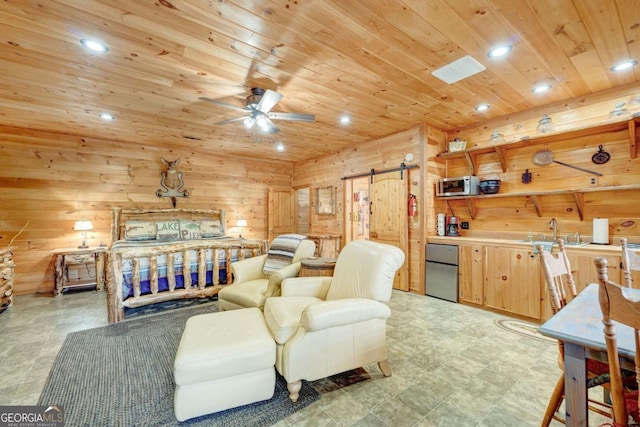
[122, 375]
[526, 329]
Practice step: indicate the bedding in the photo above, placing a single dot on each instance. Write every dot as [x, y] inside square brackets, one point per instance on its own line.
[145, 270]
[165, 254]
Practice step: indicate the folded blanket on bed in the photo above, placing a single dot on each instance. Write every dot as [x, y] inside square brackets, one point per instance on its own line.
[281, 252]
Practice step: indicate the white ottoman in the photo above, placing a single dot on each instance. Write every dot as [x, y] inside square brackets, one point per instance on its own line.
[224, 360]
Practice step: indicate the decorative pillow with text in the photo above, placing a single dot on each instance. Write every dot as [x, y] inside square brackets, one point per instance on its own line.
[189, 230]
[211, 228]
[139, 230]
[168, 230]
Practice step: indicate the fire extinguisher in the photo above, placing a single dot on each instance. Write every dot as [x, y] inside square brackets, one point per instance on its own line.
[413, 205]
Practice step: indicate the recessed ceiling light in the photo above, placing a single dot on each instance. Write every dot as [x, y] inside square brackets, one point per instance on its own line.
[541, 87]
[482, 107]
[106, 116]
[345, 120]
[499, 51]
[94, 45]
[624, 65]
[279, 146]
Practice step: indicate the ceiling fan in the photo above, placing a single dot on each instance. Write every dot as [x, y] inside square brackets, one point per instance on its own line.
[258, 107]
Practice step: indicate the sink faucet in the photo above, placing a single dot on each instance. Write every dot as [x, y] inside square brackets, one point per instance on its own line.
[576, 235]
[553, 224]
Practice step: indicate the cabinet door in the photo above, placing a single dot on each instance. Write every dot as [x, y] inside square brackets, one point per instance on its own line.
[471, 273]
[584, 270]
[513, 281]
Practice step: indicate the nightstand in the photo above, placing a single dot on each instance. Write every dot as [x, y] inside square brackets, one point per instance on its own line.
[90, 260]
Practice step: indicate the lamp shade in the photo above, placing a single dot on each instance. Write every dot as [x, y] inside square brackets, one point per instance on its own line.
[83, 225]
[241, 223]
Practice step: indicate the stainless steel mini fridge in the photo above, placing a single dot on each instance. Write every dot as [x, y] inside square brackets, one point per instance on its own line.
[441, 271]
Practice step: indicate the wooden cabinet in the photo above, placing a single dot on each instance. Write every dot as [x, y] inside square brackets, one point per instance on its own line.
[584, 270]
[508, 278]
[512, 281]
[471, 273]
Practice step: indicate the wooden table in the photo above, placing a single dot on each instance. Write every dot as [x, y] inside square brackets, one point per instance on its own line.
[327, 245]
[579, 325]
[316, 266]
[92, 258]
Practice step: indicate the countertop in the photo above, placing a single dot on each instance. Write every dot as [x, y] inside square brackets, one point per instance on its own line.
[447, 240]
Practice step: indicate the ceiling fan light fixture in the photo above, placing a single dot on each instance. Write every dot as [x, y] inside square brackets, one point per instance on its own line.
[625, 65]
[248, 122]
[541, 87]
[500, 50]
[94, 45]
[262, 123]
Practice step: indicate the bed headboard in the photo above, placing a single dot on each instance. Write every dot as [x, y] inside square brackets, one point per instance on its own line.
[121, 217]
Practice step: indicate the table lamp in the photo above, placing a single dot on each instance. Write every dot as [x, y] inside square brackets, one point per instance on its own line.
[241, 223]
[83, 225]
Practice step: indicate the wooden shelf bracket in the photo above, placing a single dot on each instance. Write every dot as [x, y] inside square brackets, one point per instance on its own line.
[579, 199]
[471, 207]
[502, 155]
[535, 199]
[471, 162]
[633, 139]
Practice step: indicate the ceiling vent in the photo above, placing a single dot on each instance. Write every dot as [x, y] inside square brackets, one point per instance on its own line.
[458, 70]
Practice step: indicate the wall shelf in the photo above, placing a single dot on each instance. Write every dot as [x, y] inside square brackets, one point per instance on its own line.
[471, 155]
[535, 196]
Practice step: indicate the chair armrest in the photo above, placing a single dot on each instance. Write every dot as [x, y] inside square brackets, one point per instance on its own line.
[248, 269]
[276, 278]
[306, 287]
[329, 314]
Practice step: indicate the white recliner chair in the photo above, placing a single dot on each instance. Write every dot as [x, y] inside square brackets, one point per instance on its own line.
[258, 278]
[327, 325]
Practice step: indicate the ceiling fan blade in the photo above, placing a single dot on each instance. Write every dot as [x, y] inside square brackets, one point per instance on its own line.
[237, 119]
[268, 101]
[222, 104]
[294, 117]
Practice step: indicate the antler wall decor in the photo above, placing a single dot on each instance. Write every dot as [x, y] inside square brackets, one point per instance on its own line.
[172, 183]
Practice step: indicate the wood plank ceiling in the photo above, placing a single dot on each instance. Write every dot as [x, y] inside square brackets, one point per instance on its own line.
[370, 59]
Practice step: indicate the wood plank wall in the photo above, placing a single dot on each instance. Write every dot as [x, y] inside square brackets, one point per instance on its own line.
[50, 180]
[380, 154]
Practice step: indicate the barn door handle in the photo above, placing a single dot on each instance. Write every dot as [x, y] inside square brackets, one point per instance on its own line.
[370, 208]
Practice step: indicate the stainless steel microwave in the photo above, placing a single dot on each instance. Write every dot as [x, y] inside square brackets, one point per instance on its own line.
[460, 186]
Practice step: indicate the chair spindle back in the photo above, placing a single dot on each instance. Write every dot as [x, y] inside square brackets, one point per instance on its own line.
[622, 305]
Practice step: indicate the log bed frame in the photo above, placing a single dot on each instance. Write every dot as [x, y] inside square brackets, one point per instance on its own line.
[241, 248]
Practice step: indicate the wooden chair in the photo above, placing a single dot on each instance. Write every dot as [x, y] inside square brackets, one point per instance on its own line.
[630, 261]
[622, 305]
[560, 284]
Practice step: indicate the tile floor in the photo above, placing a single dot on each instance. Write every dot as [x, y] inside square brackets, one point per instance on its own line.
[452, 365]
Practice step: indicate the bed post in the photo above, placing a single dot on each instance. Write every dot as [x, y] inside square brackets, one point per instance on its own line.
[115, 224]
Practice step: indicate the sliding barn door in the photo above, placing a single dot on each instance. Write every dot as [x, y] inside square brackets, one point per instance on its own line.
[388, 217]
[280, 215]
